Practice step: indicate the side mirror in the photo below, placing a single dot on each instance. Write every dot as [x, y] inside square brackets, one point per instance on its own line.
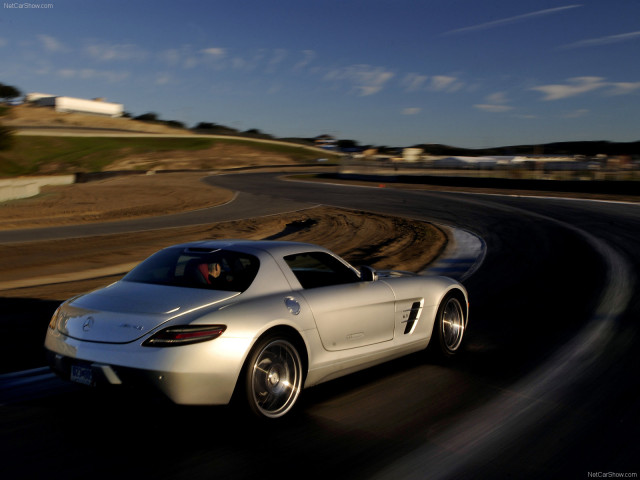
[368, 274]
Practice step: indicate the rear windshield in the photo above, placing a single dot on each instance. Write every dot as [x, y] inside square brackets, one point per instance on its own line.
[197, 268]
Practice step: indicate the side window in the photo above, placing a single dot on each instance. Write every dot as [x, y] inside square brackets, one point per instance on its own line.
[319, 269]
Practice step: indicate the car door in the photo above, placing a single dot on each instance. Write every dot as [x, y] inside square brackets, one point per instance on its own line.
[349, 313]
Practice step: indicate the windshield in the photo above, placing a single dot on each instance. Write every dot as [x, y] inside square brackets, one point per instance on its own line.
[197, 268]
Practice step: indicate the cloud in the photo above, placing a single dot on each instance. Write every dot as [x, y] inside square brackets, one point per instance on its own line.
[183, 57]
[411, 111]
[496, 103]
[623, 88]
[576, 86]
[162, 79]
[51, 44]
[580, 85]
[215, 52]
[239, 63]
[308, 57]
[493, 108]
[595, 42]
[255, 61]
[413, 82]
[220, 58]
[444, 83]
[277, 57]
[170, 56]
[3, 42]
[498, 97]
[509, 20]
[91, 74]
[365, 79]
[265, 60]
[115, 52]
[215, 57]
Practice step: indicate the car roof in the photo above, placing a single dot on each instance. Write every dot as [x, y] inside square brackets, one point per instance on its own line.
[275, 247]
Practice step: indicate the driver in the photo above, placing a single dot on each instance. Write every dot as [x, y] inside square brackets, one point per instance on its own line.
[215, 270]
[219, 277]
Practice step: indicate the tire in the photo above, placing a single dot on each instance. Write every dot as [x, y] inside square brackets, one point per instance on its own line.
[448, 328]
[273, 377]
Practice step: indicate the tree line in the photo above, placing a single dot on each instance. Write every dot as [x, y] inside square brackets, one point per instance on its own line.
[7, 93]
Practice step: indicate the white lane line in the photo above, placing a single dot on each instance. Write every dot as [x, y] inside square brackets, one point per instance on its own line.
[25, 380]
[463, 255]
[23, 373]
[545, 197]
[391, 185]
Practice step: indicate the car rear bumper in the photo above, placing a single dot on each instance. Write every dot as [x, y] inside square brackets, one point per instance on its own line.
[187, 376]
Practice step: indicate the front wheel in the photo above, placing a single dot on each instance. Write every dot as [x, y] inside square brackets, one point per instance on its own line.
[273, 377]
[448, 327]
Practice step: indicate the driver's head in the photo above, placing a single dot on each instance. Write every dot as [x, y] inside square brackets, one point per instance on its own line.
[215, 269]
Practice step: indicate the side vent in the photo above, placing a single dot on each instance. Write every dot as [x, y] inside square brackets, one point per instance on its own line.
[414, 314]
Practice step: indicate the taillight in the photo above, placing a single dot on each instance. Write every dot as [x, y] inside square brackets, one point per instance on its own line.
[53, 323]
[184, 335]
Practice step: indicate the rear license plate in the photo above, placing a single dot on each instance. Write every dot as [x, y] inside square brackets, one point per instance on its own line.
[81, 374]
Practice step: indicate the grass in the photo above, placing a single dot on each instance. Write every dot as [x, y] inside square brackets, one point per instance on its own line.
[31, 155]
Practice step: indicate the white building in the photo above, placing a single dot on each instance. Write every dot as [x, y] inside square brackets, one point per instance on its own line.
[34, 97]
[412, 154]
[80, 105]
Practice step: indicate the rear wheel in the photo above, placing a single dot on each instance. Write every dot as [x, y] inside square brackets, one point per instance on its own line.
[448, 328]
[273, 377]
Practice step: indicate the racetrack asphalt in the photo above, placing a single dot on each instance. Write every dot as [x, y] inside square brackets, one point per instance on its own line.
[552, 320]
[542, 388]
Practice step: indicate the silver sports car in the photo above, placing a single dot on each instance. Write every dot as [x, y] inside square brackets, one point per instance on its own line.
[206, 320]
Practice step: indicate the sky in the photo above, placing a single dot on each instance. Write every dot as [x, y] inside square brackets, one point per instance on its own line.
[469, 73]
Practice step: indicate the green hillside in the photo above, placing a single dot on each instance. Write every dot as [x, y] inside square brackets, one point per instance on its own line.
[31, 155]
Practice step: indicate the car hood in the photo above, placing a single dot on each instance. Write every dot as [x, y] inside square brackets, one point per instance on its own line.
[126, 311]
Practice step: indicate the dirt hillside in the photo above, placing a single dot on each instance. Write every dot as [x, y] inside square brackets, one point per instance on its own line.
[32, 116]
[381, 241]
[230, 152]
[116, 198]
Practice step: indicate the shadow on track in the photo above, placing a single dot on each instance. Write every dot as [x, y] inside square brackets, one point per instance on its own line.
[23, 326]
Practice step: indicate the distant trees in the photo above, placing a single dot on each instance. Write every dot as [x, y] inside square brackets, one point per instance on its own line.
[205, 126]
[347, 144]
[153, 117]
[255, 133]
[214, 129]
[6, 138]
[8, 93]
[147, 117]
[173, 123]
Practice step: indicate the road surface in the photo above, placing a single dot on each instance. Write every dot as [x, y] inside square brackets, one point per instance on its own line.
[546, 386]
